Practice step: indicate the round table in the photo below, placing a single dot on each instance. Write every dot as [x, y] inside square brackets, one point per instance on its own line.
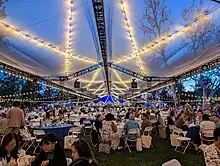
[59, 131]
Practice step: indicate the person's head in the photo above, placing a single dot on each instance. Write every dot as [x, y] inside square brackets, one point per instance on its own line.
[172, 114]
[144, 116]
[48, 143]
[98, 117]
[199, 113]
[217, 135]
[81, 149]
[3, 115]
[213, 113]
[10, 143]
[51, 113]
[109, 117]
[181, 116]
[131, 117]
[16, 104]
[205, 117]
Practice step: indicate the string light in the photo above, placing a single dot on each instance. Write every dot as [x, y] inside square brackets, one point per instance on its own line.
[120, 79]
[11, 29]
[115, 93]
[130, 33]
[166, 39]
[69, 33]
[103, 92]
[99, 88]
[93, 78]
[117, 88]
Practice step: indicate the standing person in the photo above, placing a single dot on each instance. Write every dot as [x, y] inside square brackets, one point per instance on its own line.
[96, 131]
[16, 118]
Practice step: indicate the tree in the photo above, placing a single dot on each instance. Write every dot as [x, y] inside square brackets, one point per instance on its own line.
[207, 32]
[10, 85]
[155, 23]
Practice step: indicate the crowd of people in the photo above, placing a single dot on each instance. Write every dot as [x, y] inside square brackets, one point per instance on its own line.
[106, 132]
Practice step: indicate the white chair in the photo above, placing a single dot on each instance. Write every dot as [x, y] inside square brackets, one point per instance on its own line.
[173, 162]
[37, 134]
[207, 137]
[148, 130]
[69, 161]
[27, 138]
[131, 137]
[183, 141]
[87, 127]
[74, 131]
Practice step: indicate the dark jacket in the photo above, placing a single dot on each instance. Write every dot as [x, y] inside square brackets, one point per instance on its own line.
[82, 162]
[170, 121]
[59, 158]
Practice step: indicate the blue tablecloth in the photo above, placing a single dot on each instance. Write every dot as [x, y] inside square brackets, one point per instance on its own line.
[59, 131]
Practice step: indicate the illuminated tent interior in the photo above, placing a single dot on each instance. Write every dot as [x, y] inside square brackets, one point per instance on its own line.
[56, 40]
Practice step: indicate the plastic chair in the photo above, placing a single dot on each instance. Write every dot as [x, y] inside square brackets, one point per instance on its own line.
[184, 141]
[37, 134]
[173, 162]
[69, 161]
[74, 131]
[148, 130]
[87, 126]
[131, 133]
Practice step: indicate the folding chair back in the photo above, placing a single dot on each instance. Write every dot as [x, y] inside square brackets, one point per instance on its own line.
[132, 135]
[148, 130]
[74, 130]
[38, 133]
[173, 162]
[87, 123]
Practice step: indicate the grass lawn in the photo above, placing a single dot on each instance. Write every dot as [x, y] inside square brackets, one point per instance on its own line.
[156, 156]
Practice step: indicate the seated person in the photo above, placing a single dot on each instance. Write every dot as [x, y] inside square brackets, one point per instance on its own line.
[52, 154]
[216, 120]
[82, 154]
[109, 132]
[180, 123]
[171, 118]
[207, 127]
[145, 122]
[9, 149]
[199, 117]
[3, 123]
[211, 152]
[131, 124]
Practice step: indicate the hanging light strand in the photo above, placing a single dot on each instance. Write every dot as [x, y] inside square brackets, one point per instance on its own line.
[166, 39]
[93, 78]
[12, 30]
[130, 33]
[117, 88]
[120, 79]
[99, 88]
[69, 33]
